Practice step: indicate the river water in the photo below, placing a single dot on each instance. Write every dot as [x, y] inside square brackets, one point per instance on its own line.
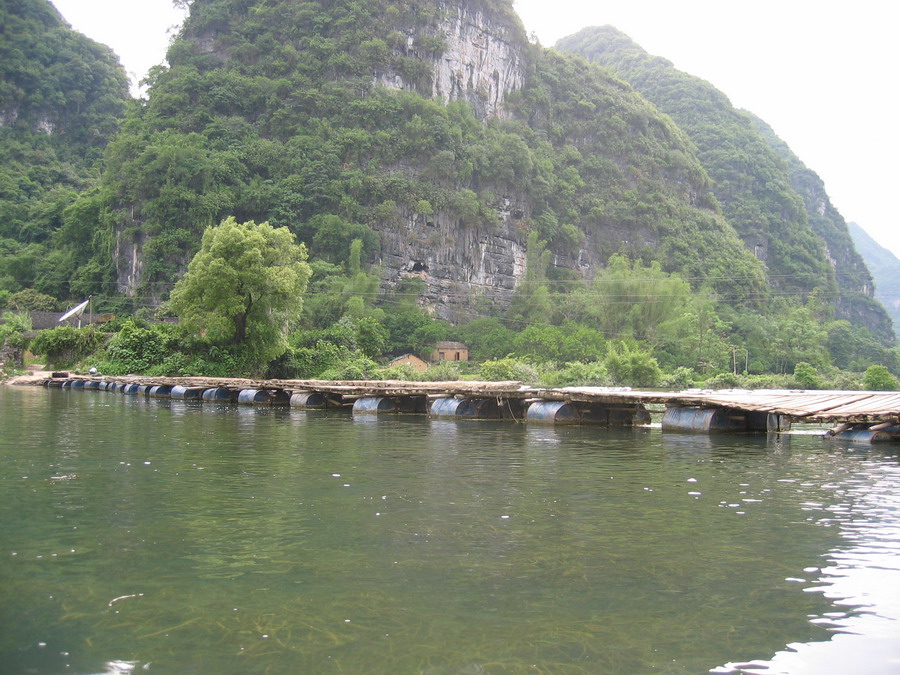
[164, 536]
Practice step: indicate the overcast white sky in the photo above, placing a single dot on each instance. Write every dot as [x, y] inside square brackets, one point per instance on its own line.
[821, 74]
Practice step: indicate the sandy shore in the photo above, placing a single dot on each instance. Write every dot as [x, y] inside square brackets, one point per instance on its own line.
[33, 377]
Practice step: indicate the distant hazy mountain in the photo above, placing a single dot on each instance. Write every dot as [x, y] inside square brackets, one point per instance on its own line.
[885, 269]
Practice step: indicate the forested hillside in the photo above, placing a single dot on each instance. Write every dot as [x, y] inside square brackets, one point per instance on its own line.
[448, 179]
[61, 98]
[885, 270]
[778, 206]
[283, 114]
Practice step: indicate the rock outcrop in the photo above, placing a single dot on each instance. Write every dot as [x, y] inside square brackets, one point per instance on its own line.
[480, 60]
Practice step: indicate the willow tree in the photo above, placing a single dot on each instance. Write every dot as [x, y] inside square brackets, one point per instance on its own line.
[244, 289]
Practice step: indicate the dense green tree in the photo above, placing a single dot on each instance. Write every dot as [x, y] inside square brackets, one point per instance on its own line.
[244, 288]
[61, 99]
[486, 338]
[30, 299]
[630, 365]
[878, 378]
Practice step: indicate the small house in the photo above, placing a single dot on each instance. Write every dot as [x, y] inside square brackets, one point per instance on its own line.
[450, 351]
[410, 360]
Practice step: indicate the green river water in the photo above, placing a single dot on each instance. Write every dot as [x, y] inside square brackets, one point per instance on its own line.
[165, 536]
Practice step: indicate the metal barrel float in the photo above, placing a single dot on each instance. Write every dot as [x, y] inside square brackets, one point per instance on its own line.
[374, 404]
[308, 399]
[391, 404]
[91, 384]
[263, 397]
[144, 389]
[551, 412]
[131, 389]
[570, 412]
[474, 408]
[219, 395]
[878, 433]
[160, 391]
[704, 419]
[185, 393]
[77, 384]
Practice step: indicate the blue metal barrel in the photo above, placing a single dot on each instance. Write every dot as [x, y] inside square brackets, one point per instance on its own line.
[263, 397]
[308, 399]
[552, 412]
[78, 384]
[160, 391]
[446, 407]
[117, 387]
[219, 395]
[374, 404]
[483, 408]
[131, 389]
[704, 419]
[91, 384]
[144, 389]
[68, 384]
[185, 393]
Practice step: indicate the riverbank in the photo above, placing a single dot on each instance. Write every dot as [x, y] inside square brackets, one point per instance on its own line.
[32, 377]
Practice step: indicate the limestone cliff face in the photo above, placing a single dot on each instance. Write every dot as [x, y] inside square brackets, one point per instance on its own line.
[462, 264]
[481, 61]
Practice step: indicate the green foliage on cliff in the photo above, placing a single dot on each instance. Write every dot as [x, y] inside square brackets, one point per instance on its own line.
[61, 97]
[778, 206]
[750, 180]
[854, 274]
[885, 269]
[276, 112]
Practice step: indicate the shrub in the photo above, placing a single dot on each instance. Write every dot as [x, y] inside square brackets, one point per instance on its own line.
[13, 329]
[402, 372]
[632, 366]
[724, 381]
[359, 368]
[505, 370]
[806, 376]
[65, 346]
[878, 378]
[680, 378]
[137, 349]
[577, 373]
[445, 371]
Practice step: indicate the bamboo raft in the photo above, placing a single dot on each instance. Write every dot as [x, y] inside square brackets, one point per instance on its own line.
[875, 414]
